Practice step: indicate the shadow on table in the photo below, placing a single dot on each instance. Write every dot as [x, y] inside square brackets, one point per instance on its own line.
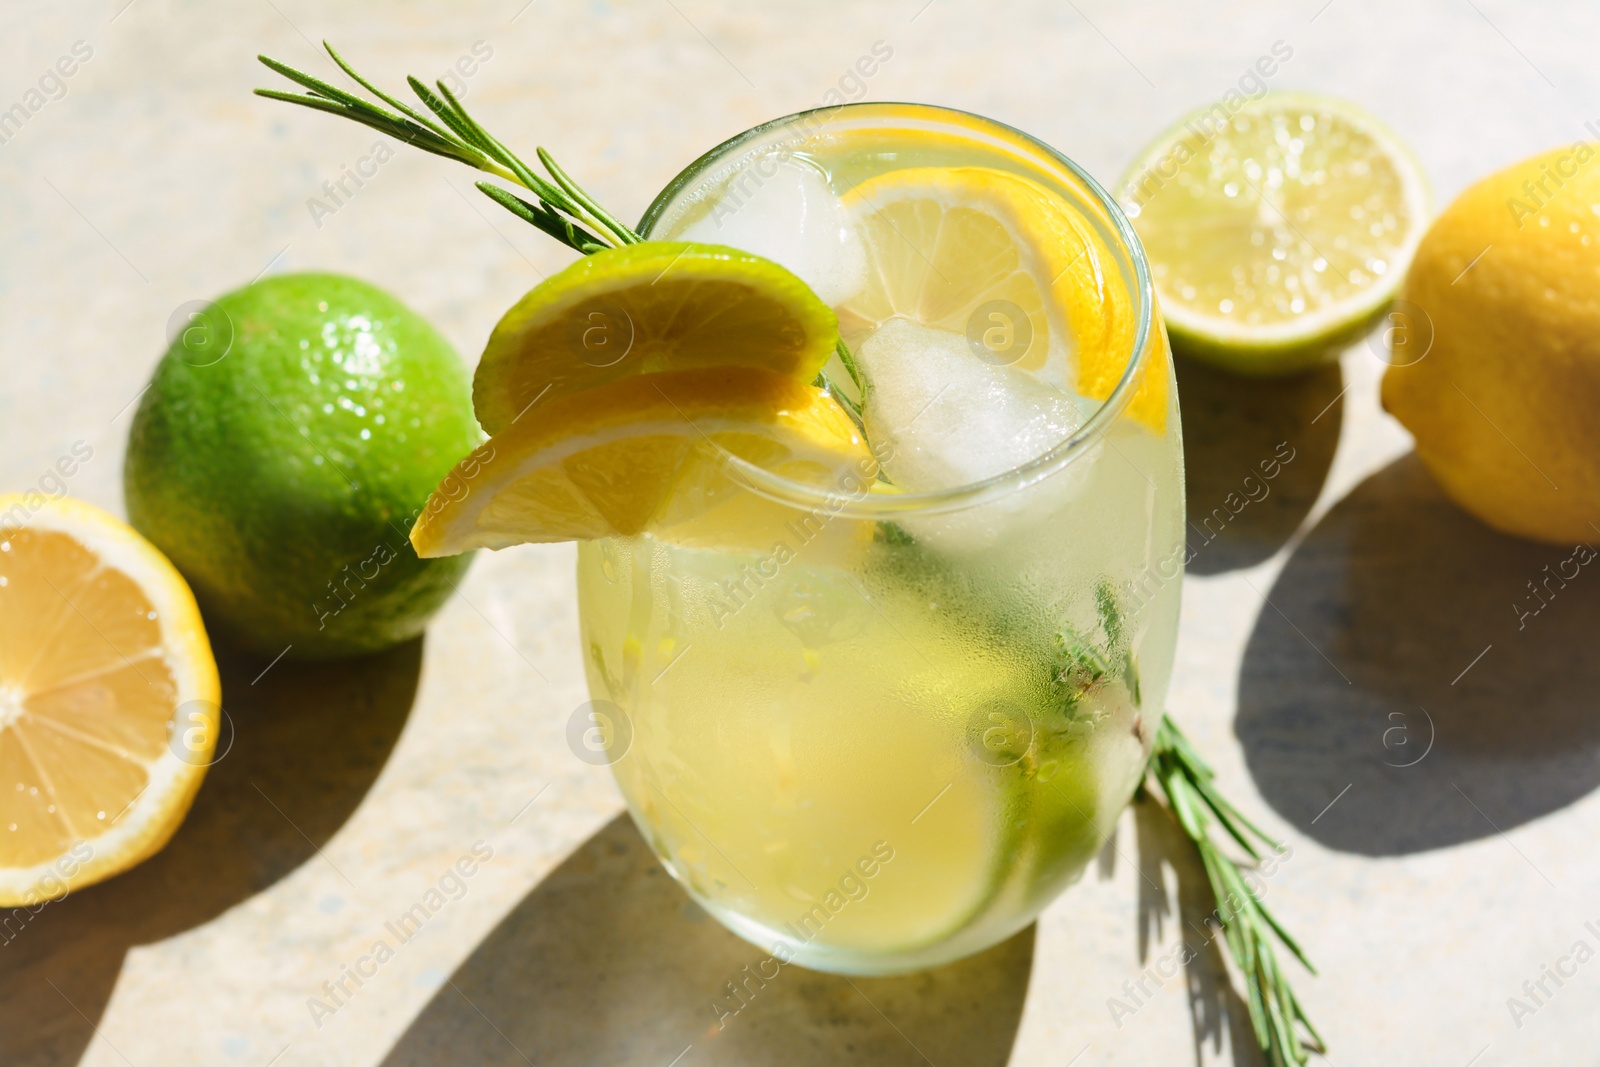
[1395, 677]
[608, 962]
[310, 739]
[1215, 1007]
[1255, 452]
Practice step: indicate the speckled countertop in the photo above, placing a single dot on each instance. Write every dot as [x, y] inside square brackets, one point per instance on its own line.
[1344, 605]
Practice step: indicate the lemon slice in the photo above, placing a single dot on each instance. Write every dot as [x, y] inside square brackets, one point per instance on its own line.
[1277, 233]
[109, 698]
[647, 453]
[950, 247]
[654, 306]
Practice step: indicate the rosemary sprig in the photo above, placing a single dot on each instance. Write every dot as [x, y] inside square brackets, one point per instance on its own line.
[562, 209]
[1187, 783]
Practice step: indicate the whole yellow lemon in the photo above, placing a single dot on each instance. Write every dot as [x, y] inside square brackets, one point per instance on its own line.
[1495, 365]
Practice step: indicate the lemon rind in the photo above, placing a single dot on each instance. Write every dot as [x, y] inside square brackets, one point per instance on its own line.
[159, 809]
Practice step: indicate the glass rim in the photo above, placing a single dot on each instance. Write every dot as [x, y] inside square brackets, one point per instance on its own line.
[868, 505]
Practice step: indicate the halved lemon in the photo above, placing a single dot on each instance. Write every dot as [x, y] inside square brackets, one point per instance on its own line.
[966, 248]
[1276, 233]
[638, 309]
[109, 698]
[647, 453]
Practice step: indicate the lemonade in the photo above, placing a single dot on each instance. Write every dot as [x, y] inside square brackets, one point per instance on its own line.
[888, 725]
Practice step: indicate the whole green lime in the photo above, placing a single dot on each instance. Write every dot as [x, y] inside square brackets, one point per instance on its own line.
[287, 442]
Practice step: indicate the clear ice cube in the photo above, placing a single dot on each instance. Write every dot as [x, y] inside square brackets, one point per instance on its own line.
[781, 207]
[951, 419]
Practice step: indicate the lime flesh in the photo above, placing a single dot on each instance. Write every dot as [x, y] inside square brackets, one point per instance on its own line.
[1278, 232]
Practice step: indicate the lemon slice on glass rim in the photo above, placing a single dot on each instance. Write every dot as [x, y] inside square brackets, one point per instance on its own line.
[109, 698]
[648, 453]
[1277, 233]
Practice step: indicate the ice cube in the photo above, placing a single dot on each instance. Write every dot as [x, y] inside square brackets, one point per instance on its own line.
[781, 207]
[951, 419]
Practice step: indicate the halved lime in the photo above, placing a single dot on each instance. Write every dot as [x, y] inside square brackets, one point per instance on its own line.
[654, 306]
[1276, 232]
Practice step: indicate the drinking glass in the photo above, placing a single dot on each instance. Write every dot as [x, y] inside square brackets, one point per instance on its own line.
[890, 731]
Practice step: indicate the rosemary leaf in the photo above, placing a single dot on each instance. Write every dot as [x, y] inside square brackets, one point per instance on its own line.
[584, 200]
[851, 368]
[395, 102]
[446, 113]
[418, 138]
[322, 88]
[563, 230]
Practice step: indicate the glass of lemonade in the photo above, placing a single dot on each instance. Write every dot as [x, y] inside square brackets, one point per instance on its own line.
[885, 733]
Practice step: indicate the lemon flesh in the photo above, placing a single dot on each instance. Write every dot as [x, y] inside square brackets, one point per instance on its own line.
[1277, 232]
[109, 698]
[649, 453]
[643, 308]
[946, 243]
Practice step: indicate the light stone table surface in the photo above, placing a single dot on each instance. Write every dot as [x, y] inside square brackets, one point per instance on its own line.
[1344, 606]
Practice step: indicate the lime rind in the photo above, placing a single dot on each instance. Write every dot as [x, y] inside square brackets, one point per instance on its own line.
[281, 473]
[525, 363]
[1305, 340]
[1253, 358]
